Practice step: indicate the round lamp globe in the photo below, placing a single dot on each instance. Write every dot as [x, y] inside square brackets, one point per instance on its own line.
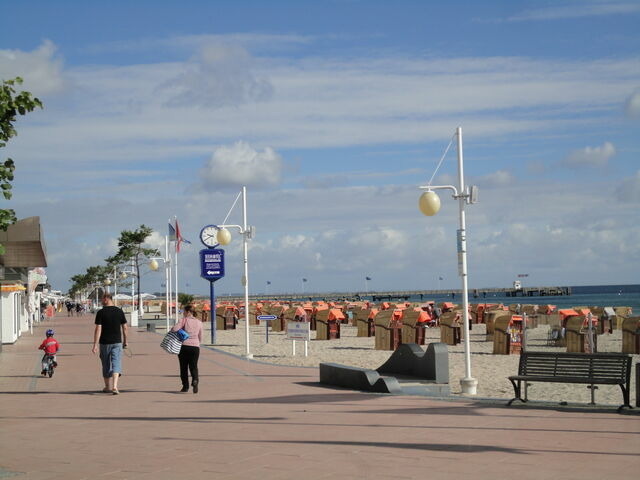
[223, 236]
[429, 203]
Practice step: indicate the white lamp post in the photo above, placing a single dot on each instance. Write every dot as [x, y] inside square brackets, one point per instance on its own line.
[429, 204]
[153, 265]
[223, 237]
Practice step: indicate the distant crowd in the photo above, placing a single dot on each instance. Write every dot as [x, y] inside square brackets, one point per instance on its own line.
[72, 307]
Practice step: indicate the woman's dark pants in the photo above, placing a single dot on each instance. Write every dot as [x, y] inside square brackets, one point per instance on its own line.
[188, 358]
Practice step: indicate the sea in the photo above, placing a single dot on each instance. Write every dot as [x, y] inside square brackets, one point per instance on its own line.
[581, 296]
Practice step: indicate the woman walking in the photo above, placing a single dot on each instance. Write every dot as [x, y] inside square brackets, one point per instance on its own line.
[190, 351]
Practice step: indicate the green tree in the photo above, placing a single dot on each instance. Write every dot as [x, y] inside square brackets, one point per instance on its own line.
[185, 299]
[12, 103]
[95, 275]
[131, 249]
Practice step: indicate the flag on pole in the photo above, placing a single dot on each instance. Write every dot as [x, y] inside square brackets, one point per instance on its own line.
[367, 278]
[440, 278]
[304, 279]
[268, 282]
[179, 237]
[172, 233]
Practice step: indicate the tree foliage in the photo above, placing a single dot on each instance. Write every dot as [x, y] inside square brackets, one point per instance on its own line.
[95, 275]
[12, 104]
[185, 299]
[131, 249]
[131, 252]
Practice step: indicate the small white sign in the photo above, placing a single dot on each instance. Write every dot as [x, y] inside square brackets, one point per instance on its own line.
[299, 331]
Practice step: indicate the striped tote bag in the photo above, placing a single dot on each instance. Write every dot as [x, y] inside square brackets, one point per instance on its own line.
[171, 343]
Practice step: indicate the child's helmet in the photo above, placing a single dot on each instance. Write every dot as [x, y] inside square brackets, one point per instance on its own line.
[50, 333]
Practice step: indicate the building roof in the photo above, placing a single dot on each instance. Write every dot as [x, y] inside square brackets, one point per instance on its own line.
[24, 244]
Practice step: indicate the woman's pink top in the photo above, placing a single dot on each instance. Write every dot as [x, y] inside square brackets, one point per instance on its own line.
[193, 327]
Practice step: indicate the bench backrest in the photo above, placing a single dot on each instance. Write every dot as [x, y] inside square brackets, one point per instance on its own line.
[598, 366]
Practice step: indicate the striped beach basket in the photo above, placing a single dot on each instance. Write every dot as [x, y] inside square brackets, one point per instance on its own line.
[171, 343]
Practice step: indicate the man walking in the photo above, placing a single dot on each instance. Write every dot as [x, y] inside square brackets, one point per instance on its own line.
[111, 334]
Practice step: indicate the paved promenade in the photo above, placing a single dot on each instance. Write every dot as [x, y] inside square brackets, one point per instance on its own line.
[252, 420]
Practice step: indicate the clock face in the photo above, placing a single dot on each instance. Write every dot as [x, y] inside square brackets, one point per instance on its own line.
[208, 236]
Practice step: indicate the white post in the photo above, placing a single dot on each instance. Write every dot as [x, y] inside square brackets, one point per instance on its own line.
[115, 286]
[133, 288]
[246, 271]
[294, 347]
[166, 280]
[175, 285]
[306, 350]
[468, 383]
[170, 284]
[590, 334]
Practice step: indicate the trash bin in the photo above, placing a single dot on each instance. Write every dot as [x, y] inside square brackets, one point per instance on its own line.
[387, 330]
[450, 328]
[631, 337]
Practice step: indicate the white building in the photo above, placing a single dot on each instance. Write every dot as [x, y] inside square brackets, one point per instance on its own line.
[24, 250]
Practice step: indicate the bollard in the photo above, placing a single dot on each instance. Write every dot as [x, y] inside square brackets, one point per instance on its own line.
[151, 327]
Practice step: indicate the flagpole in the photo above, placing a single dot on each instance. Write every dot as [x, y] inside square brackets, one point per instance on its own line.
[176, 256]
[167, 274]
[170, 284]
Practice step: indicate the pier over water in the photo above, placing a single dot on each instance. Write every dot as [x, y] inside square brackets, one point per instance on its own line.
[404, 295]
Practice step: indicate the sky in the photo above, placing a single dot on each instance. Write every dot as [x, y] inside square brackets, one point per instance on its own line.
[333, 113]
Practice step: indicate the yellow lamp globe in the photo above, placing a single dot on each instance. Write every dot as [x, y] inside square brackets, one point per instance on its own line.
[223, 236]
[107, 281]
[153, 265]
[429, 203]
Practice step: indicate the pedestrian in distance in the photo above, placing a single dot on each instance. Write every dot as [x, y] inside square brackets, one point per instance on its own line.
[110, 337]
[190, 351]
[50, 346]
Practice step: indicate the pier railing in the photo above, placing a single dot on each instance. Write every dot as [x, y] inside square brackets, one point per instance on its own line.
[477, 294]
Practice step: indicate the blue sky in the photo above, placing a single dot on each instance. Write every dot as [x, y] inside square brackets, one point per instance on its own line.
[333, 113]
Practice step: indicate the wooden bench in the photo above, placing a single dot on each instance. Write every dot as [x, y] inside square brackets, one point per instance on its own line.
[581, 368]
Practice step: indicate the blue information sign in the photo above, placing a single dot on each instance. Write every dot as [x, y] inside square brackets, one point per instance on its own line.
[212, 263]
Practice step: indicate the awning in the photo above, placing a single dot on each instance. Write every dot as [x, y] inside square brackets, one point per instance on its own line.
[24, 244]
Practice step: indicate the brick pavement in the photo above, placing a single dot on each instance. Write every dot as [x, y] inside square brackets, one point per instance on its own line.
[255, 420]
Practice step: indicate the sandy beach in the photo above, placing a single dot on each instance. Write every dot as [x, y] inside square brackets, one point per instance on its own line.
[490, 370]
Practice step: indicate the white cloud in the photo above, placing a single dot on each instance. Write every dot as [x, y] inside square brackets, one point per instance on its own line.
[629, 189]
[632, 105]
[240, 164]
[495, 179]
[577, 10]
[220, 75]
[590, 156]
[40, 69]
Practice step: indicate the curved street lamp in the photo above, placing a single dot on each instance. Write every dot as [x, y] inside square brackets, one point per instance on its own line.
[223, 237]
[429, 204]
